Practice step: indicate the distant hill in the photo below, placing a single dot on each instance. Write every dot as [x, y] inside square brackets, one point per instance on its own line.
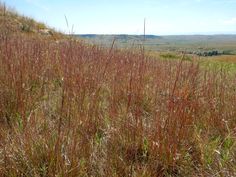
[189, 43]
[118, 36]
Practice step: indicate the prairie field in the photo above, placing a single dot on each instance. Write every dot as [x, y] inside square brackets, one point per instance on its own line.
[68, 108]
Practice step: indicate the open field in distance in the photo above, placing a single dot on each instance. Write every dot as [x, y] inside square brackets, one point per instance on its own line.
[186, 43]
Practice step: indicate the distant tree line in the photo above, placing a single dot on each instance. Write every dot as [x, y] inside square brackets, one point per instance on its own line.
[211, 53]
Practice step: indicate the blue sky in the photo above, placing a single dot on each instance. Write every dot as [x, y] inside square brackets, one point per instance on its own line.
[163, 17]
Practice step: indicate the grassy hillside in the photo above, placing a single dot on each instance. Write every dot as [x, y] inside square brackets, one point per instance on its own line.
[13, 23]
[72, 109]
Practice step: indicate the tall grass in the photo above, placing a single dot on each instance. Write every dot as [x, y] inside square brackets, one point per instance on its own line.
[71, 109]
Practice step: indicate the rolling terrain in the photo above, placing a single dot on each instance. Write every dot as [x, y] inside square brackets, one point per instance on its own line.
[187, 43]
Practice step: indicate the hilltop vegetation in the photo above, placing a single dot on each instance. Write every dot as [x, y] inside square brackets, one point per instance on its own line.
[72, 109]
[12, 23]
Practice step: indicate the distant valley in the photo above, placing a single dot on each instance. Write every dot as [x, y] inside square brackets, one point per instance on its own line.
[189, 43]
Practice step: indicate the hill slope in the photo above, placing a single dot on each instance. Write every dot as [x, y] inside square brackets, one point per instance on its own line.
[11, 23]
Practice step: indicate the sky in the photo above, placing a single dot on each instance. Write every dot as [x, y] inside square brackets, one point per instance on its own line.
[163, 17]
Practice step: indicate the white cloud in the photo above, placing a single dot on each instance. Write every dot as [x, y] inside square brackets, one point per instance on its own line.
[231, 21]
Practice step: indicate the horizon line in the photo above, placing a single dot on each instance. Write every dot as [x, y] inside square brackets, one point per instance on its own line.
[118, 34]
